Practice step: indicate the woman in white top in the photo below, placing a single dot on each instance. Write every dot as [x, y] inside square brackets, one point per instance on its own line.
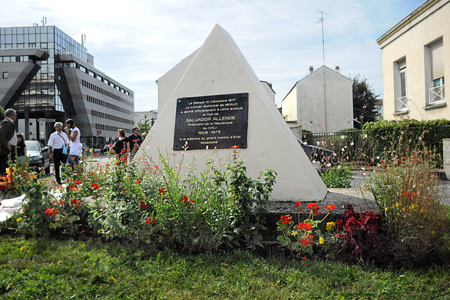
[75, 146]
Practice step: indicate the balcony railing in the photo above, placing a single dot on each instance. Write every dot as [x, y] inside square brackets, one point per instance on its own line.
[402, 103]
[436, 95]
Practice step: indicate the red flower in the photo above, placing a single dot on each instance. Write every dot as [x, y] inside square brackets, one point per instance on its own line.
[305, 226]
[143, 205]
[305, 241]
[162, 191]
[49, 211]
[95, 186]
[315, 207]
[286, 219]
[330, 207]
[298, 204]
[151, 220]
[233, 147]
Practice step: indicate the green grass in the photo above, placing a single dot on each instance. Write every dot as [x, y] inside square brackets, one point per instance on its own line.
[91, 269]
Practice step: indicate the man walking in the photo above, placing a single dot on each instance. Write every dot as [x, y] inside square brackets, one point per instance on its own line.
[134, 142]
[55, 143]
[8, 138]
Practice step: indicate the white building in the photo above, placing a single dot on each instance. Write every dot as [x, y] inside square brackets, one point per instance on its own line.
[139, 116]
[415, 61]
[320, 102]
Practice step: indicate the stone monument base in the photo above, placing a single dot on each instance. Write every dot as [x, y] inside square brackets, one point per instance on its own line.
[361, 199]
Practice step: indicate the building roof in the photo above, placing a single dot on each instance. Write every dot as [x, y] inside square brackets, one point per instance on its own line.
[409, 19]
[309, 75]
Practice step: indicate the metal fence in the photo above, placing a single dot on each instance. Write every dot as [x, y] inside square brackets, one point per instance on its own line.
[363, 147]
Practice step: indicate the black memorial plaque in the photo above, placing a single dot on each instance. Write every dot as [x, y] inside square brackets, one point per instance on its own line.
[219, 121]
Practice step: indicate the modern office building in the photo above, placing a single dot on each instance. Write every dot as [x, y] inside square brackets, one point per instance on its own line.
[47, 76]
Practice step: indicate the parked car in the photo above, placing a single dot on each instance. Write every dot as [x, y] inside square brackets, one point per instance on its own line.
[107, 149]
[38, 155]
[320, 153]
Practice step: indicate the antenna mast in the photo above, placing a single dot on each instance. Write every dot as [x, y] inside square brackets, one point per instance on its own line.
[83, 39]
[323, 39]
[44, 21]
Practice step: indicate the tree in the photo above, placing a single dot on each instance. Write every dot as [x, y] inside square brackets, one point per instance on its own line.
[364, 98]
[144, 125]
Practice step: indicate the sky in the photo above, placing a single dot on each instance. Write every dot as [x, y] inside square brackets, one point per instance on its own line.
[137, 41]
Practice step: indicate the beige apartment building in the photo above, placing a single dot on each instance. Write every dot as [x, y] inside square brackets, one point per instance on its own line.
[415, 63]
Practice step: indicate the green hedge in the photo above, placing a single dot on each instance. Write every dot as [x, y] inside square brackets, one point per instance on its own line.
[405, 135]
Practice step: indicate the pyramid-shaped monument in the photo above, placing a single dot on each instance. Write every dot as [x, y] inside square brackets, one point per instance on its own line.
[219, 101]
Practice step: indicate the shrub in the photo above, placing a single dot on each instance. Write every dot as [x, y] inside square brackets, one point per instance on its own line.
[361, 234]
[172, 203]
[337, 177]
[385, 136]
[408, 194]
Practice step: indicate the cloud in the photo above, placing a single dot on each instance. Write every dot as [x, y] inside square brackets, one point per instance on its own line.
[138, 41]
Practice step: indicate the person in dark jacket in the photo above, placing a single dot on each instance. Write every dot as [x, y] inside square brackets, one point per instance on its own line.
[21, 148]
[134, 142]
[120, 147]
[8, 138]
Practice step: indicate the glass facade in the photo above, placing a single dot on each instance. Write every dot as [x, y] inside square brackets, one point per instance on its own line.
[42, 94]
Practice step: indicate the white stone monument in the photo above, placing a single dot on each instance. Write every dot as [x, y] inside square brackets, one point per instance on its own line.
[219, 68]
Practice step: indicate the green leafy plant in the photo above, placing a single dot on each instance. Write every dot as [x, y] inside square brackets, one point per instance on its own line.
[408, 193]
[299, 238]
[337, 177]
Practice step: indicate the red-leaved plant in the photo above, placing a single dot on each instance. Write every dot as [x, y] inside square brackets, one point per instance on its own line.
[362, 234]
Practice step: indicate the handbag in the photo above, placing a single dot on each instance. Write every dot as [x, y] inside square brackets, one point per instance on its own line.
[65, 149]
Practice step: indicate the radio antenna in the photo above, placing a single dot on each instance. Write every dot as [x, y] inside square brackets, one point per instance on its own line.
[323, 39]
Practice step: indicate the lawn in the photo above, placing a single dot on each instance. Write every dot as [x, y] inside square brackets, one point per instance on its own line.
[92, 269]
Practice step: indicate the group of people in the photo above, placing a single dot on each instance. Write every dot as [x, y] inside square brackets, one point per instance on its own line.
[127, 145]
[64, 144]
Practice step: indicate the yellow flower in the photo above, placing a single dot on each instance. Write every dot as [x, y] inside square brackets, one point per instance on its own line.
[19, 220]
[59, 262]
[397, 205]
[386, 208]
[433, 232]
[111, 278]
[321, 241]
[415, 207]
[330, 226]
[21, 248]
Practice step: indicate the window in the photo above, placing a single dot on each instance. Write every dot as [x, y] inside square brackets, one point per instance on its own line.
[401, 104]
[5, 75]
[436, 94]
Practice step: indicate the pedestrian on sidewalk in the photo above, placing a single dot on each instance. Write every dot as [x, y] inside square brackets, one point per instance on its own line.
[134, 142]
[120, 146]
[56, 143]
[76, 149]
